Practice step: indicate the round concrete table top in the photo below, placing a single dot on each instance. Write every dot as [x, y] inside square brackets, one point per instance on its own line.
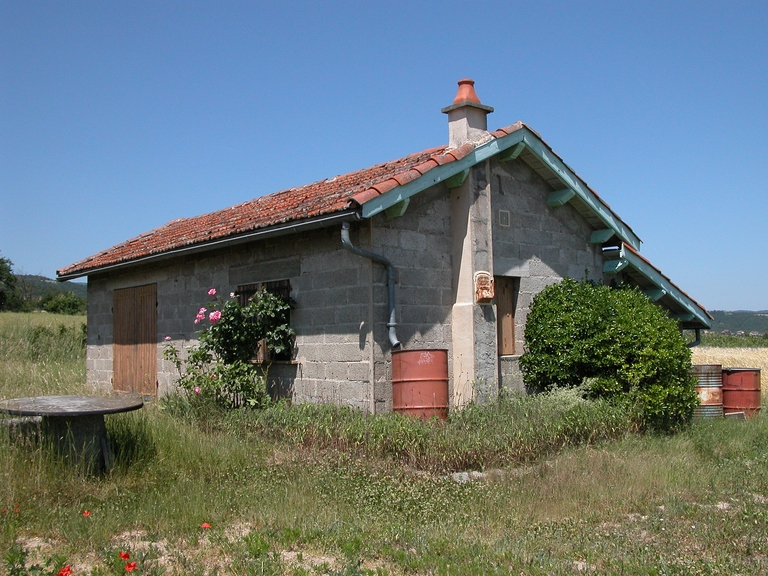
[70, 405]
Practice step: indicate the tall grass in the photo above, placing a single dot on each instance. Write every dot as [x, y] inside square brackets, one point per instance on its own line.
[41, 354]
[303, 490]
[518, 429]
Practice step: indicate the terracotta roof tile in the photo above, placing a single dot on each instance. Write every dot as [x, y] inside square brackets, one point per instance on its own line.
[406, 177]
[332, 195]
[381, 188]
[312, 200]
[426, 166]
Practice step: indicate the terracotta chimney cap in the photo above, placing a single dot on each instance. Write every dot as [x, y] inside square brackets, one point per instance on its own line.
[466, 96]
[466, 92]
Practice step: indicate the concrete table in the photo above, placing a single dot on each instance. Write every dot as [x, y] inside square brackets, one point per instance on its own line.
[75, 424]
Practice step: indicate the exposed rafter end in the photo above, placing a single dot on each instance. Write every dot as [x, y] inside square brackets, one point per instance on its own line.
[560, 197]
[511, 153]
[614, 266]
[457, 179]
[684, 317]
[398, 209]
[601, 236]
[655, 295]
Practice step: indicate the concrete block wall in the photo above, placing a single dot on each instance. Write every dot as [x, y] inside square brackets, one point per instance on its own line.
[331, 288]
[541, 246]
[418, 244]
[342, 346]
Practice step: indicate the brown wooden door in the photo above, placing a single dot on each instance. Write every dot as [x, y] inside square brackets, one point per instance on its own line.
[135, 340]
[506, 301]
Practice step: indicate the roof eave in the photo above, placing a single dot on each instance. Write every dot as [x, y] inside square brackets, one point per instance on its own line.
[496, 146]
[693, 316]
[283, 229]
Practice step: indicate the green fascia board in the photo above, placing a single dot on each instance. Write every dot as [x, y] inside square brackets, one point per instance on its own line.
[672, 291]
[440, 174]
[493, 147]
[569, 178]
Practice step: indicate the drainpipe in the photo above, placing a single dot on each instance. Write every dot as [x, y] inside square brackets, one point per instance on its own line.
[698, 339]
[345, 241]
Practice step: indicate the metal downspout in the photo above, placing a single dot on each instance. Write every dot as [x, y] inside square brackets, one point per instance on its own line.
[698, 339]
[347, 243]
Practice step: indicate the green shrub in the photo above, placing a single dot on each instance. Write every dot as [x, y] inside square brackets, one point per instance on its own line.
[222, 368]
[626, 347]
[63, 303]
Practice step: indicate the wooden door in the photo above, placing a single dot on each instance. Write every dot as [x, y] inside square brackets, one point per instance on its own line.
[506, 302]
[135, 340]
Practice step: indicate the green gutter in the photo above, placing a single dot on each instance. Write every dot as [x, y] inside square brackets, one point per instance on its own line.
[492, 148]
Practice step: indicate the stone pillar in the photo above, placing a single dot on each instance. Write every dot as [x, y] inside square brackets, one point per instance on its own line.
[475, 366]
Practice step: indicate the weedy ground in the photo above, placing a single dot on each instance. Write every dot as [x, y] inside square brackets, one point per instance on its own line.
[543, 485]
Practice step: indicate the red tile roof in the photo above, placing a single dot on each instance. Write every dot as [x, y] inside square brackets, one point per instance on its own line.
[325, 197]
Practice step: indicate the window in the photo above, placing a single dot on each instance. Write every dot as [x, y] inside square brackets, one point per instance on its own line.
[507, 288]
[245, 292]
[280, 288]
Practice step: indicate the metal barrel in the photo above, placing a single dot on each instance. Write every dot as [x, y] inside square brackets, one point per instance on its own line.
[741, 391]
[709, 388]
[420, 382]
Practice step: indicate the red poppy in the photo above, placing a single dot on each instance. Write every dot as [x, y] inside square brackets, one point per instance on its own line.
[124, 555]
[66, 571]
[86, 513]
[205, 525]
[130, 567]
[16, 511]
[3, 511]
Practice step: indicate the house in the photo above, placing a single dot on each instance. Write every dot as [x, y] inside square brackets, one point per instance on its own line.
[443, 248]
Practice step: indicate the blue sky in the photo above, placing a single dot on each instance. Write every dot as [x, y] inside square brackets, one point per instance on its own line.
[117, 117]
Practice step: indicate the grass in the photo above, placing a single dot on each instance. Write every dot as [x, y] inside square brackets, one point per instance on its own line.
[726, 341]
[557, 486]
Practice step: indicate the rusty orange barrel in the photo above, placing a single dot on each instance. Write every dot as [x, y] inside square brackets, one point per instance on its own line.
[709, 387]
[741, 391]
[420, 382]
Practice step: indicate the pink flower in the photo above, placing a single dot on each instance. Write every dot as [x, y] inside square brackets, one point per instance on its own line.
[231, 294]
[198, 390]
[197, 320]
[167, 339]
[212, 292]
[215, 316]
[202, 310]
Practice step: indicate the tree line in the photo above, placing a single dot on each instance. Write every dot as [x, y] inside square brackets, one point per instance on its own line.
[16, 295]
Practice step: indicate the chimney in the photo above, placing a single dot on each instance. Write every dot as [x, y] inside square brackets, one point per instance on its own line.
[467, 120]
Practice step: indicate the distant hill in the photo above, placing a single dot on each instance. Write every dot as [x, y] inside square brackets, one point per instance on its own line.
[35, 287]
[736, 320]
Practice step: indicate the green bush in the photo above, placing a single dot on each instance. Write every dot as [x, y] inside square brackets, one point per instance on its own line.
[626, 347]
[222, 367]
[63, 303]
